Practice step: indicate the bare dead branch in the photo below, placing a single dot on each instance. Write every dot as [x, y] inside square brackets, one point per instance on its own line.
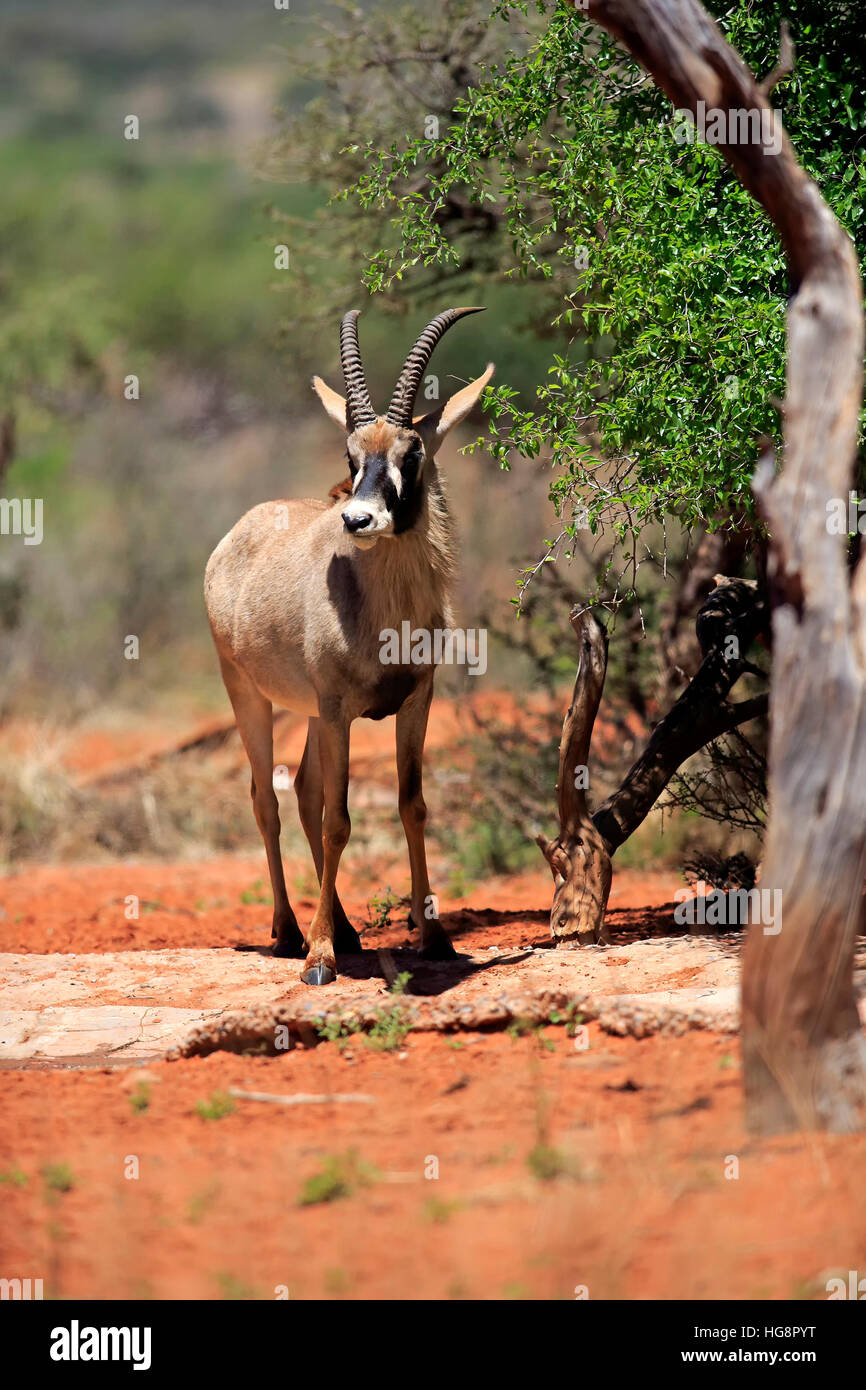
[731, 618]
[303, 1098]
[785, 65]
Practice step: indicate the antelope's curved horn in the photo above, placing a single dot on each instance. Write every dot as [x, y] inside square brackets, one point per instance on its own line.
[359, 408]
[403, 399]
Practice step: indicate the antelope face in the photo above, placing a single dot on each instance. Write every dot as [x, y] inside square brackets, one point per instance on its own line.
[386, 463]
[386, 453]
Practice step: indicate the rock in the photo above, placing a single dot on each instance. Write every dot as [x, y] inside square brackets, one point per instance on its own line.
[118, 1007]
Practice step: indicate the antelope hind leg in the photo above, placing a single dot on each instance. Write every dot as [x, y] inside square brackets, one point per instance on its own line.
[411, 732]
[254, 715]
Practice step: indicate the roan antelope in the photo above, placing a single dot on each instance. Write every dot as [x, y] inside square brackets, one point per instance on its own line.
[297, 595]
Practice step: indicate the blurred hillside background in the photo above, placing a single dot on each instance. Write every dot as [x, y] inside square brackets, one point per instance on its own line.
[156, 257]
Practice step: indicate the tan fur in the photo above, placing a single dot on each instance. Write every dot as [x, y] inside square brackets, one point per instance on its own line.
[296, 609]
[289, 606]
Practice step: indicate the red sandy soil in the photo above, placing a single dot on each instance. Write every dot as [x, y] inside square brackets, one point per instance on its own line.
[641, 1208]
[226, 902]
[558, 1168]
[636, 1204]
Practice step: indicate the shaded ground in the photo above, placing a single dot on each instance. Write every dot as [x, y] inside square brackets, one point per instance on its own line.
[226, 902]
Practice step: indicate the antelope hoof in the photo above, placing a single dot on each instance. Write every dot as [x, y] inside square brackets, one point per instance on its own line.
[319, 975]
[347, 942]
[288, 950]
[289, 944]
[438, 947]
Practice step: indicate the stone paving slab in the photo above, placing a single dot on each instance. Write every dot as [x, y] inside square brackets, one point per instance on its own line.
[216, 978]
[116, 1007]
[124, 1034]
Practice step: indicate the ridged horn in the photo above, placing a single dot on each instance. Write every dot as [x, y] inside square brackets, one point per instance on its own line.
[403, 399]
[359, 408]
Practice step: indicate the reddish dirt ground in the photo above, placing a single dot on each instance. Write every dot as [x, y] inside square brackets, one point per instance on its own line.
[226, 902]
[557, 1167]
[640, 1207]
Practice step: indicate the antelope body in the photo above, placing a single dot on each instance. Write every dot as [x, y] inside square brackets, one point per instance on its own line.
[298, 594]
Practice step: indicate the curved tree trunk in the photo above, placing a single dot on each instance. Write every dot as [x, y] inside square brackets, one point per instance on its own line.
[803, 1048]
[716, 552]
[579, 859]
[732, 611]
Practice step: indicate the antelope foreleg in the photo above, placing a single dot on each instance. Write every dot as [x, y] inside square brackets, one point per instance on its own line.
[310, 792]
[321, 967]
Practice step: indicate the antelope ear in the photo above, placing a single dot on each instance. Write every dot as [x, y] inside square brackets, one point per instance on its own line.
[334, 404]
[434, 427]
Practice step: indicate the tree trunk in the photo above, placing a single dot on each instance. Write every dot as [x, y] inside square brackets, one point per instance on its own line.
[728, 623]
[579, 859]
[803, 1049]
[716, 552]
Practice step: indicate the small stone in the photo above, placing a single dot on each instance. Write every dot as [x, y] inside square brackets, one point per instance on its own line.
[138, 1076]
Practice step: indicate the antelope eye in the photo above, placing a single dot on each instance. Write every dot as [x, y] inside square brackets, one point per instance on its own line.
[413, 454]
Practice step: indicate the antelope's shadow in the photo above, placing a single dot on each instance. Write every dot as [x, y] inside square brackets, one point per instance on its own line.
[626, 926]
